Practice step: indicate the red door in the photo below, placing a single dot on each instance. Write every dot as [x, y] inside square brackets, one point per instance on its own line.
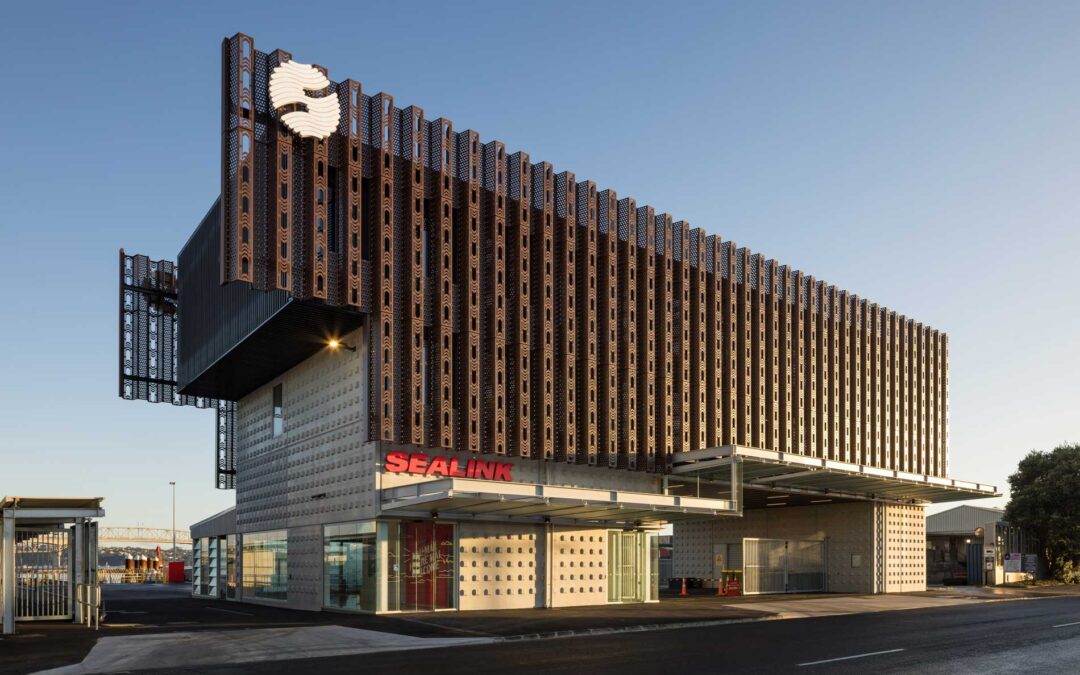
[429, 566]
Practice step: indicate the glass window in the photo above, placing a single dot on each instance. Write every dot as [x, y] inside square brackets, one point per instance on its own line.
[349, 562]
[230, 566]
[279, 411]
[266, 565]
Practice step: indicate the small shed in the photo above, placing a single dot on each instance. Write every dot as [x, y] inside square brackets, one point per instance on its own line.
[48, 558]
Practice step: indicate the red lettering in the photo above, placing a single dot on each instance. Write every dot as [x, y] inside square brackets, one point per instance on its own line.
[396, 461]
[437, 466]
[485, 469]
[455, 469]
[418, 462]
[502, 471]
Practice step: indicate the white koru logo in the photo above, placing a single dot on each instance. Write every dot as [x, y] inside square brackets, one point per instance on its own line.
[309, 116]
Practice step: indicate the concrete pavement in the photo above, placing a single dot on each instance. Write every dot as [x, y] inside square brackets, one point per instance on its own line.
[253, 646]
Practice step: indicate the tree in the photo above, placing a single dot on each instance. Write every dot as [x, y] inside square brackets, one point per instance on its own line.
[1045, 500]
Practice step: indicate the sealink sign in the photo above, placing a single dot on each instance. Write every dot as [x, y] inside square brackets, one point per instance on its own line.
[398, 461]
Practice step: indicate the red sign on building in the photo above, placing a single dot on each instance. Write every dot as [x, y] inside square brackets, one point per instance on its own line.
[398, 461]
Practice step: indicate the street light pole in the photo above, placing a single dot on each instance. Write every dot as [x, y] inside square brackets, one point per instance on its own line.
[173, 484]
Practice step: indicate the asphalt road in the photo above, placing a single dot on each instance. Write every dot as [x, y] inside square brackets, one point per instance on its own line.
[1025, 636]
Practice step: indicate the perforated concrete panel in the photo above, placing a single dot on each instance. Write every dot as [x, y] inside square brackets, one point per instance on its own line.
[905, 548]
[319, 469]
[305, 567]
[500, 566]
[579, 567]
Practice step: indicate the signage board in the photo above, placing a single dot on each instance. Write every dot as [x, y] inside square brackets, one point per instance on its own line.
[1012, 562]
[399, 461]
[1031, 563]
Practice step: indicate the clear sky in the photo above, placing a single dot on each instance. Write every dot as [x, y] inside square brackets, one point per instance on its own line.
[924, 155]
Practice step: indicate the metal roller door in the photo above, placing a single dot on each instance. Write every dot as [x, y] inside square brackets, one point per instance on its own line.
[783, 566]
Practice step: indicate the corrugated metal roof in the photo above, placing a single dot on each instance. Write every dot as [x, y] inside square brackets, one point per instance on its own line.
[962, 519]
[769, 469]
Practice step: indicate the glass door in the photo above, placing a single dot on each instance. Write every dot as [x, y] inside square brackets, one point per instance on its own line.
[421, 566]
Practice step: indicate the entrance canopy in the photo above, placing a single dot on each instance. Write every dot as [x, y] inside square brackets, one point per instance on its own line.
[50, 510]
[492, 500]
[779, 471]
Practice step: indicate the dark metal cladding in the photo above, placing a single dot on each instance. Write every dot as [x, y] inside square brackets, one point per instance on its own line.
[238, 158]
[350, 174]
[149, 340]
[493, 309]
[467, 276]
[382, 212]
[544, 344]
[566, 325]
[508, 307]
[647, 339]
[607, 295]
[680, 254]
[412, 156]
[629, 382]
[588, 439]
[520, 294]
[665, 343]
[439, 205]
[699, 361]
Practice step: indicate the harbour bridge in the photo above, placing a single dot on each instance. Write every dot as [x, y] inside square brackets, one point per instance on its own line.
[121, 534]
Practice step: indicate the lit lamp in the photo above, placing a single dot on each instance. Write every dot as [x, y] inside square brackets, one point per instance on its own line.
[334, 343]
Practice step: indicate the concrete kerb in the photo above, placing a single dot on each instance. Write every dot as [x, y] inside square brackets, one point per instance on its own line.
[640, 628]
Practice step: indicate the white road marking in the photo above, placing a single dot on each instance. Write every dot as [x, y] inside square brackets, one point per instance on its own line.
[230, 611]
[846, 658]
[1062, 625]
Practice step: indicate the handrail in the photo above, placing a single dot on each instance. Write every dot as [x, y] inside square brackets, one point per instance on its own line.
[88, 597]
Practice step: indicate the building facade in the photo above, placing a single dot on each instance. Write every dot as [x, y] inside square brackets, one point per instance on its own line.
[448, 376]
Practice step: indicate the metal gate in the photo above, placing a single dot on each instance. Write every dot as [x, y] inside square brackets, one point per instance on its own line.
[43, 574]
[783, 566]
[625, 566]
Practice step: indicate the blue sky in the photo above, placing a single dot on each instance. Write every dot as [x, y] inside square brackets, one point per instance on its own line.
[924, 155]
